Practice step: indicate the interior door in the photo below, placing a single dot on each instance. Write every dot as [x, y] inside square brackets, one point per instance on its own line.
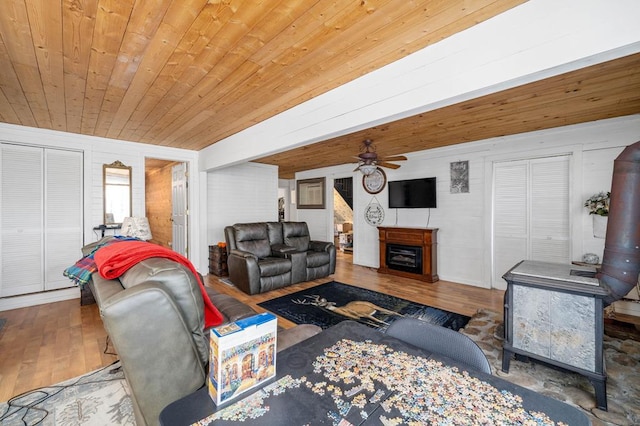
[179, 208]
[21, 218]
[63, 214]
[530, 213]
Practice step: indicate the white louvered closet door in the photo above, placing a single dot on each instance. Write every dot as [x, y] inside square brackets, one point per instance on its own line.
[63, 215]
[530, 213]
[40, 218]
[22, 251]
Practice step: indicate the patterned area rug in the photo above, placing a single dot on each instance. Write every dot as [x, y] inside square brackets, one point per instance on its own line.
[622, 357]
[100, 397]
[330, 303]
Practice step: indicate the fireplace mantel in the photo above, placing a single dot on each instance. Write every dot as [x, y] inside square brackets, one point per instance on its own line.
[426, 238]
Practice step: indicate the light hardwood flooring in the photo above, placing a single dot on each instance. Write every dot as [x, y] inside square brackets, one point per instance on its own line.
[45, 344]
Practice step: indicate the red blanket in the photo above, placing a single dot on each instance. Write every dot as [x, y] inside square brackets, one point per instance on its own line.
[115, 259]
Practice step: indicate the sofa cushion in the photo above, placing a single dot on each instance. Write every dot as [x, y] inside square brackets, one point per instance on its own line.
[254, 238]
[274, 230]
[296, 234]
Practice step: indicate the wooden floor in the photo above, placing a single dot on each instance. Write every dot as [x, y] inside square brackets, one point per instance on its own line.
[46, 344]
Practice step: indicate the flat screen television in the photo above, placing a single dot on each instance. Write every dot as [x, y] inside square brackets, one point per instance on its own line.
[412, 193]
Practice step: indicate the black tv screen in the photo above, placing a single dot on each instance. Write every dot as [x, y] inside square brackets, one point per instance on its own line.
[412, 193]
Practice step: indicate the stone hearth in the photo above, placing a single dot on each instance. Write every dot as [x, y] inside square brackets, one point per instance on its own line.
[622, 355]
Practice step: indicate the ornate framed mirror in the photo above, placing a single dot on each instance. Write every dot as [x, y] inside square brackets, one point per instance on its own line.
[116, 183]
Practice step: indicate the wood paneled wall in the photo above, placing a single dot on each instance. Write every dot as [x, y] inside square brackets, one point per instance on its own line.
[158, 203]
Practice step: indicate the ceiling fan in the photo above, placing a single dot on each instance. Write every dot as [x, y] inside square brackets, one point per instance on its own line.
[368, 159]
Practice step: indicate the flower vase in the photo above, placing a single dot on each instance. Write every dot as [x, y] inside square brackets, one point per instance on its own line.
[599, 226]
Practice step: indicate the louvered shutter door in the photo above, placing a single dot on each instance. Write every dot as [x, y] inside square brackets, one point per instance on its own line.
[63, 215]
[21, 220]
[531, 213]
[549, 228]
[510, 219]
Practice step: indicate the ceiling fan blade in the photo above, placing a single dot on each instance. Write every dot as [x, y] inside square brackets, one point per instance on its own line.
[396, 158]
[388, 165]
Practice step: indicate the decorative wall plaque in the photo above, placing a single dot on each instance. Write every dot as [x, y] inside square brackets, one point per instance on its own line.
[374, 213]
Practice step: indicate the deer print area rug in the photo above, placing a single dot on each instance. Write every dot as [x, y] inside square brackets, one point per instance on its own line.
[327, 304]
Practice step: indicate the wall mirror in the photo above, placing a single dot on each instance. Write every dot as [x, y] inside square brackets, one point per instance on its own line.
[116, 181]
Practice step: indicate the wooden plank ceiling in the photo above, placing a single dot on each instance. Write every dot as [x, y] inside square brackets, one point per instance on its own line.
[188, 73]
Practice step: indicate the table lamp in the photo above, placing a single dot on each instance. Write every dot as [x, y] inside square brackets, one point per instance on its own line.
[137, 227]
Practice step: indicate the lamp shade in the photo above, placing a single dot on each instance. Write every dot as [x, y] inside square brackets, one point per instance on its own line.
[367, 169]
[137, 227]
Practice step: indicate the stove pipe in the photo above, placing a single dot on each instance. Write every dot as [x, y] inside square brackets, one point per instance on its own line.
[621, 259]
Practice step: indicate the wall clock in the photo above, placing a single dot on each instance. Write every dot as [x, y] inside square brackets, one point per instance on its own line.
[374, 182]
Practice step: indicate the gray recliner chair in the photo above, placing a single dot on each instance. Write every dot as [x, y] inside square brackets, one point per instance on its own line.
[154, 315]
[264, 256]
[256, 260]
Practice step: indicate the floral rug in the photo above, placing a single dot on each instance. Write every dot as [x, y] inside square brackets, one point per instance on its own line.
[100, 397]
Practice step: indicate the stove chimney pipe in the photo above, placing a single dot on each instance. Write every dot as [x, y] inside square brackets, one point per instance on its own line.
[621, 260]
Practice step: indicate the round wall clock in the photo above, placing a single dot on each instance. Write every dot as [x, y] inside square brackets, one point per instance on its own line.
[374, 182]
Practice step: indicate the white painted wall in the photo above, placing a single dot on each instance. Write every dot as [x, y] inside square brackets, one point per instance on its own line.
[99, 151]
[464, 220]
[538, 39]
[240, 194]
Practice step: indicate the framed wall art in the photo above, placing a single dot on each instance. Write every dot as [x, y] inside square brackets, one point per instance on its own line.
[459, 177]
[310, 193]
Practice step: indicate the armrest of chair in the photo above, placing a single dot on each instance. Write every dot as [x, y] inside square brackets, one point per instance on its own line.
[320, 245]
[230, 307]
[282, 250]
[243, 254]
[244, 271]
[328, 247]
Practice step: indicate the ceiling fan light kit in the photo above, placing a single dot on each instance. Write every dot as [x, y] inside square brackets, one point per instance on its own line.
[367, 169]
[369, 162]
[374, 178]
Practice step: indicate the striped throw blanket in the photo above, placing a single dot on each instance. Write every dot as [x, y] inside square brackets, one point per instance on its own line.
[80, 272]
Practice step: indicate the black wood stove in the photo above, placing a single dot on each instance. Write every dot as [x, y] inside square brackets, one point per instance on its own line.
[554, 314]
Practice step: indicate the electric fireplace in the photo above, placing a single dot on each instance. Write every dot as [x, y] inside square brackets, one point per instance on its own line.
[404, 258]
[409, 252]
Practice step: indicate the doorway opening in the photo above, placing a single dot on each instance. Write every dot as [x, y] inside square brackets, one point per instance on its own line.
[166, 203]
[343, 214]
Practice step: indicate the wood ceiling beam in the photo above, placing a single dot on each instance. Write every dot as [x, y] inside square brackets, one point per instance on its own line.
[606, 90]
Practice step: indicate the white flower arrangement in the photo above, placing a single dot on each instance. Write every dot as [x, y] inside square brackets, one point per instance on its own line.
[599, 203]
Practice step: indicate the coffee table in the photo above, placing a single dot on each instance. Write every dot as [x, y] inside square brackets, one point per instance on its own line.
[353, 373]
